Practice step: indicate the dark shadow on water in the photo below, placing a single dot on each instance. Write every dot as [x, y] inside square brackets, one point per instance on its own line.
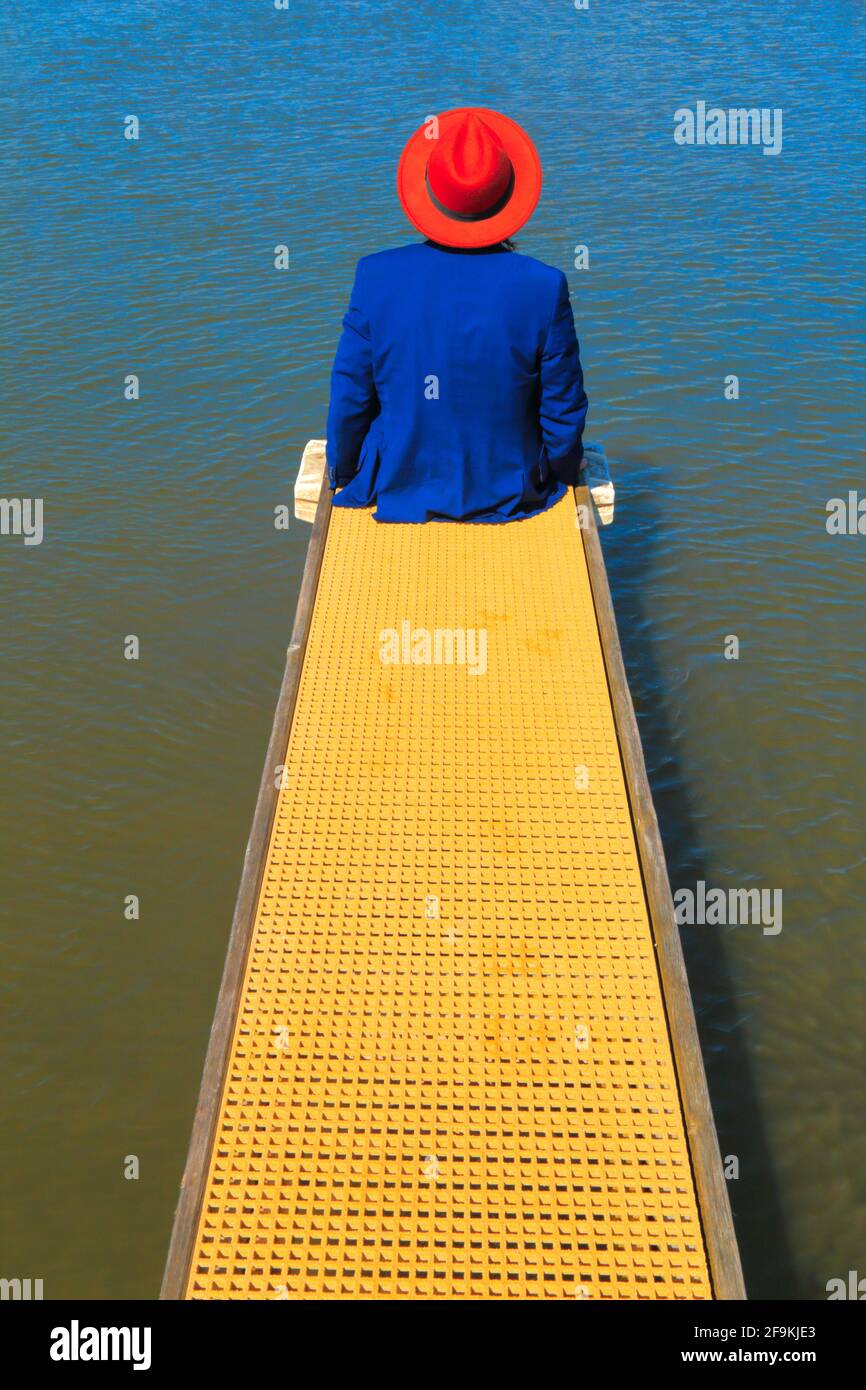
[631, 547]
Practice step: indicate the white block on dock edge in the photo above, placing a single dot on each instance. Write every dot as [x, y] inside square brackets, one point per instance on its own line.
[596, 475]
[308, 483]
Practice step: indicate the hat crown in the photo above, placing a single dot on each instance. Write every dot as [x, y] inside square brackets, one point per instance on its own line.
[469, 170]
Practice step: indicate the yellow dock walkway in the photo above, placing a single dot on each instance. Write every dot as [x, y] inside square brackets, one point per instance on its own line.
[454, 1053]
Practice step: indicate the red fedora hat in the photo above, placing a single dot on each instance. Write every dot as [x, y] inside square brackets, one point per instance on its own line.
[473, 182]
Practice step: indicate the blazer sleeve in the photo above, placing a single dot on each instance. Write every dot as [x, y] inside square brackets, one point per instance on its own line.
[354, 403]
[563, 402]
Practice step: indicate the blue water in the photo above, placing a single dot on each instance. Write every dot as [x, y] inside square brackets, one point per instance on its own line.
[156, 257]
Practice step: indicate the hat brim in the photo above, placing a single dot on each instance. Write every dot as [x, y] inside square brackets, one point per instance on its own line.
[423, 213]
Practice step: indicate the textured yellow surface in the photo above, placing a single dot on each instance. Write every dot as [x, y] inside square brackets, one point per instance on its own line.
[451, 1075]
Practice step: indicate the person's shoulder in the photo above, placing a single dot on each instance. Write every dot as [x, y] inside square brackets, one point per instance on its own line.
[379, 269]
[380, 262]
[545, 277]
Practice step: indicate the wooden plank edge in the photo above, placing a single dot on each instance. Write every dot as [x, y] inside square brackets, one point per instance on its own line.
[188, 1209]
[716, 1219]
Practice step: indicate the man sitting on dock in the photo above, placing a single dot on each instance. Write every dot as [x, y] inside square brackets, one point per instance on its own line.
[457, 390]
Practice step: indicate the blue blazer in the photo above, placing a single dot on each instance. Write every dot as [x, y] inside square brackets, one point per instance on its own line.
[457, 392]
